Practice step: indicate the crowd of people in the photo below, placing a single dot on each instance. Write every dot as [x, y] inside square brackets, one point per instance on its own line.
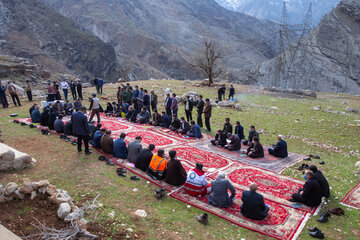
[136, 105]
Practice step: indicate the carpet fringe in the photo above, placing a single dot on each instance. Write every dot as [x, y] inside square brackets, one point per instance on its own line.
[301, 227]
[344, 204]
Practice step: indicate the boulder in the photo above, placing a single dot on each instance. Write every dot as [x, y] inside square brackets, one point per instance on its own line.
[10, 188]
[18, 194]
[64, 210]
[238, 107]
[6, 165]
[43, 183]
[205, 82]
[193, 95]
[26, 186]
[2, 190]
[61, 196]
[317, 108]
[353, 110]
[74, 216]
[33, 195]
[18, 164]
[141, 213]
[42, 190]
[229, 104]
[50, 189]
[167, 91]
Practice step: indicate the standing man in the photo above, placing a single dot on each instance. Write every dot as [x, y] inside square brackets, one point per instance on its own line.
[174, 104]
[96, 84]
[3, 98]
[79, 89]
[28, 90]
[81, 129]
[220, 94]
[153, 100]
[188, 108]
[73, 89]
[118, 95]
[100, 84]
[207, 114]
[95, 108]
[167, 104]
[232, 92]
[227, 127]
[64, 87]
[200, 109]
[223, 91]
[13, 92]
[146, 101]
[57, 91]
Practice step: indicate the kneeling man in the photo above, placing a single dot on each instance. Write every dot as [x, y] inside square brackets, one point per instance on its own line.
[219, 196]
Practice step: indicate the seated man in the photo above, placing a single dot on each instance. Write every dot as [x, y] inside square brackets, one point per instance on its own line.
[120, 150]
[77, 104]
[227, 126]
[184, 127]
[52, 119]
[196, 183]
[253, 204]
[68, 107]
[131, 115]
[324, 185]
[144, 116]
[94, 129]
[195, 131]
[219, 196]
[165, 120]
[280, 149]
[134, 149]
[144, 158]
[255, 150]
[58, 108]
[97, 138]
[175, 173]
[68, 128]
[220, 139]
[35, 115]
[310, 194]
[157, 166]
[176, 124]
[107, 143]
[253, 133]
[59, 124]
[156, 121]
[235, 143]
[31, 108]
[44, 117]
[239, 130]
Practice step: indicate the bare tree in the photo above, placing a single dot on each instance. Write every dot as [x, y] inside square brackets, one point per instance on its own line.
[208, 61]
[124, 72]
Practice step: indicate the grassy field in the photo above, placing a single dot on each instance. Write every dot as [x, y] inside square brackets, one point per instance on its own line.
[335, 137]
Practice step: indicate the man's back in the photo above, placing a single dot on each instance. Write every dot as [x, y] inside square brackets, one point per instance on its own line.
[97, 139]
[59, 125]
[120, 150]
[107, 144]
[324, 185]
[80, 124]
[281, 149]
[312, 192]
[220, 196]
[35, 116]
[134, 151]
[253, 205]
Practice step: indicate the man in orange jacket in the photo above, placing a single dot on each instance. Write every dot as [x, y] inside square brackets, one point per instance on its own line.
[157, 167]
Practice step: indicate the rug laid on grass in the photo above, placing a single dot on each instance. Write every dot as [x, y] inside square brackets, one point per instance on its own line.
[352, 198]
[285, 220]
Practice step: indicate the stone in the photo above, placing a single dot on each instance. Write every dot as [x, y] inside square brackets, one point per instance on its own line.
[238, 107]
[64, 210]
[82, 223]
[43, 183]
[186, 82]
[167, 91]
[50, 189]
[229, 104]
[33, 195]
[193, 95]
[353, 110]
[18, 163]
[10, 188]
[317, 108]
[18, 194]
[61, 196]
[2, 199]
[2, 190]
[357, 164]
[205, 82]
[141, 213]
[42, 190]
[26, 186]
[6, 165]
[74, 216]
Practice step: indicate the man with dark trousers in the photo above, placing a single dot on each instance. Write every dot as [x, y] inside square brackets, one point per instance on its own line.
[79, 89]
[200, 109]
[81, 129]
[280, 149]
[253, 204]
[207, 114]
[310, 194]
[188, 108]
[73, 89]
[167, 104]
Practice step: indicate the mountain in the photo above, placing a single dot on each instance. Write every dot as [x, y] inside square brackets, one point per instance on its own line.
[156, 38]
[32, 30]
[328, 59]
[271, 10]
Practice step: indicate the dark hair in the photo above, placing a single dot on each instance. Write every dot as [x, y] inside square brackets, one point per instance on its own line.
[172, 154]
[103, 130]
[163, 112]
[182, 118]
[138, 138]
[256, 139]
[108, 131]
[99, 125]
[155, 110]
[60, 116]
[199, 166]
[151, 147]
[237, 122]
[200, 96]
[252, 127]
[161, 152]
[208, 100]
[174, 94]
[227, 119]
[83, 108]
[229, 134]
[313, 168]
[145, 90]
[174, 116]
[122, 135]
[192, 122]
[143, 108]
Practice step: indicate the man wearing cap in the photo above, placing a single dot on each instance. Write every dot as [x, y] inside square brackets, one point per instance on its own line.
[280, 149]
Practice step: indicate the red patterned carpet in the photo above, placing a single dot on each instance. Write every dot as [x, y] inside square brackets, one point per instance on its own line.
[352, 198]
[284, 222]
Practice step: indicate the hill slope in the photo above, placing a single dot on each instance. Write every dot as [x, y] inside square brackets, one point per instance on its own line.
[157, 37]
[32, 30]
[327, 60]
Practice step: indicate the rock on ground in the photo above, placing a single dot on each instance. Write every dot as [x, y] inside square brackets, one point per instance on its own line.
[10, 188]
[64, 210]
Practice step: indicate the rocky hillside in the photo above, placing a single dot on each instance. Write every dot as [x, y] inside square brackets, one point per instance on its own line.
[157, 37]
[327, 60]
[32, 30]
[271, 10]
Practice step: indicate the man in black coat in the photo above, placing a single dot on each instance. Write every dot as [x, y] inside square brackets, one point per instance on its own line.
[220, 139]
[200, 109]
[188, 108]
[144, 158]
[255, 150]
[131, 115]
[253, 204]
[310, 194]
[79, 90]
[280, 149]
[44, 117]
[167, 104]
[81, 129]
[175, 124]
[252, 133]
[228, 128]
[235, 143]
[184, 127]
[324, 185]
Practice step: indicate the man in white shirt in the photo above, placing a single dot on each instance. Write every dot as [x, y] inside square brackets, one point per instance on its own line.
[95, 108]
[64, 87]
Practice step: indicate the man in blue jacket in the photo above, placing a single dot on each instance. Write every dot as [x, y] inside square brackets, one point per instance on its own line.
[100, 83]
[280, 149]
[253, 204]
[120, 149]
[165, 120]
[239, 130]
[35, 115]
[97, 137]
[195, 131]
[81, 129]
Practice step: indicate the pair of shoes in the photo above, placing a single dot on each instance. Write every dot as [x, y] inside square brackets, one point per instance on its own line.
[109, 162]
[207, 130]
[303, 166]
[314, 156]
[121, 172]
[88, 153]
[102, 158]
[31, 126]
[159, 193]
[337, 211]
[14, 115]
[307, 159]
[203, 219]
[134, 178]
[73, 142]
[324, 217]
[79, 150]
[22, 124]
[15, 121]
[322, 162]
[316, 233]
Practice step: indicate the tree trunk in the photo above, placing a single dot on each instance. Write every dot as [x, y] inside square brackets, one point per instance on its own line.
[210, 80]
